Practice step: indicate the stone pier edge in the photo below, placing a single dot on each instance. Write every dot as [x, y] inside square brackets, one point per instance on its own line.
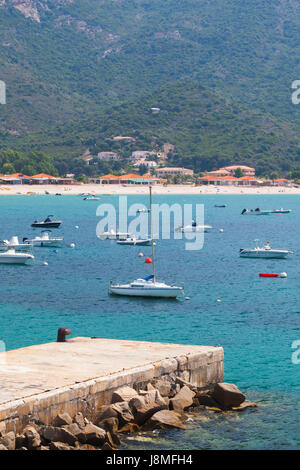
[202, 369]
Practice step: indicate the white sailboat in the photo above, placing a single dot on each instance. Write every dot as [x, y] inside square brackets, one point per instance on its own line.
[148, 287]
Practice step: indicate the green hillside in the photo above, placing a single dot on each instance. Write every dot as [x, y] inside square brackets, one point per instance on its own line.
[207, 133]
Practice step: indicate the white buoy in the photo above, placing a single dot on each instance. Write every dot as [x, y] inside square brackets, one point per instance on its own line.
[221, 230]
[219, 300]
[283, 274]
[76, 226]
[72, 245]
[45, 263]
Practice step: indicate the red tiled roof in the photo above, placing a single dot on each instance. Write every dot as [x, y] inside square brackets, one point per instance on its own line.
[43, 175]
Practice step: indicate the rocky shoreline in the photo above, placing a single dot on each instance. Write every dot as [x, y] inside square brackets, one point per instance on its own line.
[162, 405]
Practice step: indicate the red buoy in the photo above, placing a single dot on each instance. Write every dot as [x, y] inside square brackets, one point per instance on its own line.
[268, 275]
[148, 260]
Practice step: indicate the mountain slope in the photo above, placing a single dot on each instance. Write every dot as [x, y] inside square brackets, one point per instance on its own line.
[207, 133]
[65, 59]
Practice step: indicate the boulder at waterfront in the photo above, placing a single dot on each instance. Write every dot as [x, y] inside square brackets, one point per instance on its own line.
[228, 395]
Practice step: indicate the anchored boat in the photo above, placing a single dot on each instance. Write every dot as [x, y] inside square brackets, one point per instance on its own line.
[134, 241]
[47, 223]
[147, 287]
[259, 211]
[11, 256]
[15, 244]
[194, 227]
[45, 240]
[264, 251]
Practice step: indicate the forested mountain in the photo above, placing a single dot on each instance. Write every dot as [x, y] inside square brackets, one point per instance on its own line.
[73, 61]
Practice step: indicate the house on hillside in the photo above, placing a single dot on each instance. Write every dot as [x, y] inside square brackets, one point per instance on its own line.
[107, 156]
[173, 171]
[139, 154]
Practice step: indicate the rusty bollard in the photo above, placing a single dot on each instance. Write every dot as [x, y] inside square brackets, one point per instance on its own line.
[62, 333]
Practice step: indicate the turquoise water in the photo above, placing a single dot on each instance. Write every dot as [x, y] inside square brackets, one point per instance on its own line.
[256, 321]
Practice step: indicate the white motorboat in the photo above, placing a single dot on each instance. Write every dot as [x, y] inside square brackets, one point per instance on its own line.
[134, 241]
[12, 256]
[112, 235]
[91, 198]
[259, 211]
[194, 228]
[264, 251]
[45, 240]
[15, 244]
[147, 287]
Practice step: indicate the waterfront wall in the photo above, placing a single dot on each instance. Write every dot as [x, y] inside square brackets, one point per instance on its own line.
[202, 368]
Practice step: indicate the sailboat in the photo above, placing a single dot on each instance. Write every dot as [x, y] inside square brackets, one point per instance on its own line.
[149, 286]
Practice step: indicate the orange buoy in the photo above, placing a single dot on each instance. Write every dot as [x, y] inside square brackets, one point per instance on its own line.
[148, 260]
[268, 275]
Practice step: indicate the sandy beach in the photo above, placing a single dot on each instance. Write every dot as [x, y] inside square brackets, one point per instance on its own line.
[114, 189]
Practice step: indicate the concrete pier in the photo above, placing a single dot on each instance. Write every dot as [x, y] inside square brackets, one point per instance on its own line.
[81, 374]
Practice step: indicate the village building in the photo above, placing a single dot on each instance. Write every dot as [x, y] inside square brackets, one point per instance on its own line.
[147, 163]
[139, 154]
[173, 171]
[124, 179]
[120, 138]
[107, 156]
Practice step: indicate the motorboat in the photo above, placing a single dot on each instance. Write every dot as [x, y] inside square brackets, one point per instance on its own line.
[259, 211]
[45, 240]
[47, 223]
[264, 251]
[146, 288]
[15, 244]
[12, 256]
[134, 241]
[194, 227]
[91, 198]
[149, 286]
[112, 235]
[220, 205]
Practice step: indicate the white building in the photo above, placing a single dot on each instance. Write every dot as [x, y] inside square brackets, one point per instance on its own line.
[147, 163]
[107, 156]
[138, 154]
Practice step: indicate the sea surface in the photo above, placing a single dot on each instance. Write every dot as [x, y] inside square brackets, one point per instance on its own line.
[255, 320]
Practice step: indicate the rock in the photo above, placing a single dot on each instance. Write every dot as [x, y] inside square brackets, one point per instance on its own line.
[207, 400]
[87, 447]
[2, 429]
[104, 412]
[33, 439]
[228, 395]
[53, 434]
[130, 427]
[2, 447]
[79, 420]
[43, 448]
[112, 439]
[94, 435]
[23, 448]
[182, 399]
[20, 441]
[150, 387]
[143, 407]
[164, 387]
[109, 424]
[244, 406]
[123, 411]
[59, 446]
[9, 440]
[76, 431]
[62, 419]
[107, 446]
[165, 419]
[123, 394]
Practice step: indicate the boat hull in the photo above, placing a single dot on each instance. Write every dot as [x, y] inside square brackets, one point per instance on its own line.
[14, 260]
[47, 243]
[169, 293]
[46, 224]
[259, 254]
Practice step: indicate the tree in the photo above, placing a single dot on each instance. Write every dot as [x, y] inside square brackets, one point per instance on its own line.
[8, 169]
[238, 173]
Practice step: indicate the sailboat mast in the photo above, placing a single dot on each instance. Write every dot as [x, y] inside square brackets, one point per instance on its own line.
[151, 225]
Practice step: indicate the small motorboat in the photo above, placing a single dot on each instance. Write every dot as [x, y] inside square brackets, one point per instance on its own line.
[45, 240]
[134, 241]
[15, 244]
[264, 251]
[91, 198]
[147, 287]
[112, 235]
[259, 211]
[12, 256]
[220, 205]
[47, 223]
[194, 227]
